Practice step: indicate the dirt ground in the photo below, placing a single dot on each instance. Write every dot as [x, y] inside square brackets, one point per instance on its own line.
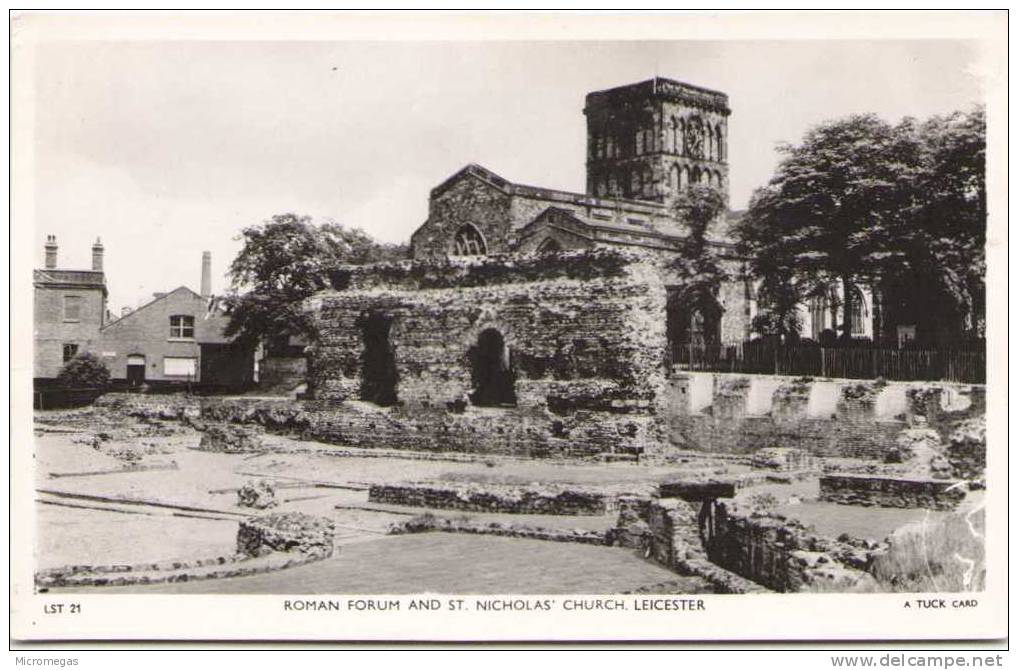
[138, 491]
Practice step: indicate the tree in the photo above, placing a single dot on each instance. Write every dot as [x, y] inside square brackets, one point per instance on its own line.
[862, 199]
[698, 262]
[284, 261]
[85, 370]
[831, 211]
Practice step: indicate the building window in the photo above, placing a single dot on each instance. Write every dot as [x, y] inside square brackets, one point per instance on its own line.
[182, 327]
[180, 367]
[72, 308]
[70, 351]
[859, 313]
[468, 242]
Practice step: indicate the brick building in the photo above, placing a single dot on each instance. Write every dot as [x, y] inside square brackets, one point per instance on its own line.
[69, 310]
[176, 338]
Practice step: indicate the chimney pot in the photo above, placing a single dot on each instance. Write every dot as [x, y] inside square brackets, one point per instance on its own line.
[51, 252]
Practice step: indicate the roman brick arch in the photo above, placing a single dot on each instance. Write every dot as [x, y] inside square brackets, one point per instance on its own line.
[492, 377]
[378, 360]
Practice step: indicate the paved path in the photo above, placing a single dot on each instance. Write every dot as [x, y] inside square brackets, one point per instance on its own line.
[453, 564]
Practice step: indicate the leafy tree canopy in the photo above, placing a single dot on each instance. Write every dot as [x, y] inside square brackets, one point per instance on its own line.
[699, 208]
[286, 260]
[860, 198]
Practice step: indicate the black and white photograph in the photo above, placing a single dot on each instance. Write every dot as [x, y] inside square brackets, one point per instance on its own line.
[575, 326]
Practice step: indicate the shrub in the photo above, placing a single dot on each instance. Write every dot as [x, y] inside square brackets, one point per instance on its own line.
[84, 370]
[944, 557]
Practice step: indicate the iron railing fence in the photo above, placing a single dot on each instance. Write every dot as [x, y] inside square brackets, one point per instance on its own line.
[853, 362]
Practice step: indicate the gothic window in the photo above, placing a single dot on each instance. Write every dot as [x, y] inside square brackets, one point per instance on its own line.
[639, 142]
[859, 312]
[648, 184]
[694, 177]
[719, 138]
[683, 178]
[675, 178]
[674, 137]
[613, 184]
[680, 140]
[468, 242]
[549, 246]
[818, 314]
[637, 184]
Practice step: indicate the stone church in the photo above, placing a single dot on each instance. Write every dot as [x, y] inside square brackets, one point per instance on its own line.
[534, 321]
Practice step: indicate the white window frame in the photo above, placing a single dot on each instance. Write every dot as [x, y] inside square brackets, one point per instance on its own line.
[177, 330]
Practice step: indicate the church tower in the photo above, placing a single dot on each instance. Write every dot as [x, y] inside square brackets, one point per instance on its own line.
[648, 141]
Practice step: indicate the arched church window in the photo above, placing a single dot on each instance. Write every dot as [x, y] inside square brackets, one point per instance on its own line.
[636, 186]
[720, 142]
[859, 312]
[549, 246]
[469, 242]
[818, 314]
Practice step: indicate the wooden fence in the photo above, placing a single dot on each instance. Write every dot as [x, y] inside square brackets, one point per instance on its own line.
[841, 362]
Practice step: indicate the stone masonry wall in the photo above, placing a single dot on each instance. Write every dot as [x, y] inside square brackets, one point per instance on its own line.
[833, 418]
[587, 350]
[890, 492]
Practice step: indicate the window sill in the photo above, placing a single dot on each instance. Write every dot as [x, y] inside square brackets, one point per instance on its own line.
[180, 339]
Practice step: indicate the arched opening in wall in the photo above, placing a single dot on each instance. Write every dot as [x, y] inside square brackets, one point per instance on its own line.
[549, 246]
[720, 140]
[683, 178]
[492, 374]
[378, 360]
[694, 177]
[680, 140]
[674, 178]
[692, 327]
[468, 241]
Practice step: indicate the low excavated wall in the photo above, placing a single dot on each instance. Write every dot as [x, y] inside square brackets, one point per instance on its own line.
[518, 431]
[547, 499]
[785, 555]
[835, 418]
[891, 492]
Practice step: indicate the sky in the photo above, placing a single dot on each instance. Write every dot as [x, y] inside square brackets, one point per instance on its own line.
[166, 149]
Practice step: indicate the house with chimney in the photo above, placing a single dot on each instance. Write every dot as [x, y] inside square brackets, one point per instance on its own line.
[177, 338]
[69, 310]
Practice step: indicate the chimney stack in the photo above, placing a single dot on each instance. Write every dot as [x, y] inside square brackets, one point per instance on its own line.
[206, 274]
[97, 255]
[51, 252]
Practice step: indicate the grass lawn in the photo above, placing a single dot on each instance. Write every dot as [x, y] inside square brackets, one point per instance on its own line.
[448, 563]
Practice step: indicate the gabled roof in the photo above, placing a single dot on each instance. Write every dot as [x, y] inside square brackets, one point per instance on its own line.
[192, 294]
[494, 180]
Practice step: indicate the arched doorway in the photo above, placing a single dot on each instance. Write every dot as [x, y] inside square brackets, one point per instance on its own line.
[378, 361]
[491, 371]
[692, 327]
